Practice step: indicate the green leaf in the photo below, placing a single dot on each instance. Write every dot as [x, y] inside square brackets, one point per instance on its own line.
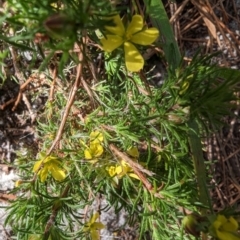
[160, 20]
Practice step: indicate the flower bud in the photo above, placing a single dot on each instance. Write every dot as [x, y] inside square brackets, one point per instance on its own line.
[190, 223]
[18, 183]
[59, 26]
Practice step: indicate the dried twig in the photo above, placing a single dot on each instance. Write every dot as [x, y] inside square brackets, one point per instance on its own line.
[139, 171]
[50, 99]
[137, 168]
[69, 103]
[4, 197]
[18, 98]
[178, 11]
[20, 77]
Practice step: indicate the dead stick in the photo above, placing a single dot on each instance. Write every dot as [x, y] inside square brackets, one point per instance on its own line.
[50, 99]
[69, 103]
[137, 168]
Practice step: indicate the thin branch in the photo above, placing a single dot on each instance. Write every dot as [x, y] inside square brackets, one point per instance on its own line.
[53, 215]
[137, 168]
[69, 103]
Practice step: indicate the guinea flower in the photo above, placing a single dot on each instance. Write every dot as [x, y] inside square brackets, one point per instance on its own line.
[18, 183]
[93, 227]
[135, 33]
[49, 164]
[225, 229]
[95, 148]
[96, 137]
[120, 170]
[133, 152]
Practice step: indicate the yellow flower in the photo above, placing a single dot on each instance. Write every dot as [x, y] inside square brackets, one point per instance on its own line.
[50, 165]
[225, 229]
[133, 151]
[111, 171]
[18, 183]
[135, 33]
[95, 150]
[96, 137]
[121, 170]
[92, 226]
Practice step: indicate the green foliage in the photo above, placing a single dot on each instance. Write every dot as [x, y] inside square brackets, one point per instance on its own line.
[202, 87]
[127, 111]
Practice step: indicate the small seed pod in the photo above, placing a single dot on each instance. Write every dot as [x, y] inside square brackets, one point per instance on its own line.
[59, 25]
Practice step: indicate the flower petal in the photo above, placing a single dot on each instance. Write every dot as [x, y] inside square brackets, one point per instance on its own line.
[98, 225]
[118, 29]
[94, 235]
[133, 175]
[133, 59]
[119, 169]
[230, 225]
[145, 37]
[222, 235]
[94, 150]
[88, 154]
[96, 137]
[37, 165]
[123, 163]
[94, 217]
[216, 224]
[43, 173]
[18, 183]
[133, 151]
[221, 218]
[111, 171]
[55, 162]
[135, 26]
[234, 223]
[111, 42]
[57, 173]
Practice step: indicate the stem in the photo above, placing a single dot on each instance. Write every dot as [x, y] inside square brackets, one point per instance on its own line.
[199, 166]
[53, 215]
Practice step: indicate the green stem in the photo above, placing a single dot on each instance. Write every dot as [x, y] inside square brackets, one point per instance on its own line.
[199, 166]
[168, 42]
